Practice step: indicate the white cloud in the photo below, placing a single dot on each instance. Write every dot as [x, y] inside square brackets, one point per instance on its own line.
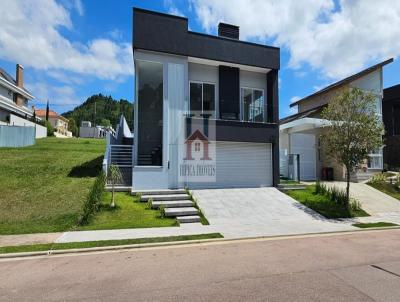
[58, 96]
[172, 9]
[29, 34]
[79, 7]
[295, 99]
[337, 41]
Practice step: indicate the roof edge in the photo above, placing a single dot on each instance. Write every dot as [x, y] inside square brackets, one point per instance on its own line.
[345, 81]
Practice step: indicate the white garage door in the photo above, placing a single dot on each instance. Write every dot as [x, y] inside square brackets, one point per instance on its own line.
[241, 165]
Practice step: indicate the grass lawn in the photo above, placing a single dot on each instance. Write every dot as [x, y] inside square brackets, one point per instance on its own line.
[44, 186]
[386, 188]
[322, 204]
[89, 244]
[129, 213]
[374, 225]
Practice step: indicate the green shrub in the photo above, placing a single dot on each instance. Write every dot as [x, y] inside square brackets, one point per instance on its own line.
[150, 203]
[50, 129]
[334, 194]
[93, 200]
[162, 210]
[355, 205]
[378, 178]
[138, 196]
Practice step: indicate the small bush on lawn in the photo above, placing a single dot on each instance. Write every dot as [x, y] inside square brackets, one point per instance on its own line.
[328, 204]
[162, 210]
[150, 203]
[50, 129]
[378, 178]
[93, 200]
[334, 194]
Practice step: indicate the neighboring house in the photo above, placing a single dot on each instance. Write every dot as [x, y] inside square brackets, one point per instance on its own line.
[299, 133]
[223, 87]
[391, 119]
[58, 122]
[86, 130]
[14, 102]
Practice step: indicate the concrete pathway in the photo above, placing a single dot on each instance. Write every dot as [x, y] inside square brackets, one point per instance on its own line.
[28, 239]
[184, 229]
[249, 212]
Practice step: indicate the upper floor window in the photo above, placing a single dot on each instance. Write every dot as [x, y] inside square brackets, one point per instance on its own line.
[252, 102]
[202, 99]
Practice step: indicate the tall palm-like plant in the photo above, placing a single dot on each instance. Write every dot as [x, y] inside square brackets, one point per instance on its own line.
[114, 176]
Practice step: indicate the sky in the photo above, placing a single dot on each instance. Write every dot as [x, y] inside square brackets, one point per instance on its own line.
[72, 49]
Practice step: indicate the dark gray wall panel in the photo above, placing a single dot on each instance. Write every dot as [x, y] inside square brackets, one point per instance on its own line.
[165, 33]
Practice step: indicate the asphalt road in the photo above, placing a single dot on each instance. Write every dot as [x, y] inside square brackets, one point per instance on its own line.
[350, 267]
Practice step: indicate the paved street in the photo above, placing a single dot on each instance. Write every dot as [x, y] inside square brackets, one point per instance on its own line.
[349, 267]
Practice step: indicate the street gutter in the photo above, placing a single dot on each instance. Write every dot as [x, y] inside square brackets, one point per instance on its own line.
[184, 243]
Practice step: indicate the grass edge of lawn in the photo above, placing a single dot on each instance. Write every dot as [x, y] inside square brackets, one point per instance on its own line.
[325, 208]
[380, 224]
[103, 243]
[381, 188]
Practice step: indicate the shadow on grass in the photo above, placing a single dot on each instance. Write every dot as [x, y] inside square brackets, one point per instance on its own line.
[90, 168]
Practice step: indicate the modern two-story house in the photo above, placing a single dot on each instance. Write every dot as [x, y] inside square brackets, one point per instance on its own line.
[206, 109]
[302, 154]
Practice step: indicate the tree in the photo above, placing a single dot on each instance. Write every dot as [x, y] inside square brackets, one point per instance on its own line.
[114, 175]
[105, 122]
[354, 129]
[73, 127]
[50, 129]
[47, 110]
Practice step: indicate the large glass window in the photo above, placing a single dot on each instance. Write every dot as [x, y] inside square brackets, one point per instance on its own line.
[202, 99]
[150, 113]
[252, 105]
[375, 160]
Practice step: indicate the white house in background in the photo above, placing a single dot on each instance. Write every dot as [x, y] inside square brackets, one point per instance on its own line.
[301, 153]
[58, 122]
[87, 130]
[14, 102]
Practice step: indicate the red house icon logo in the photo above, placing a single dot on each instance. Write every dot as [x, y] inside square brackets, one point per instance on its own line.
[197, 135]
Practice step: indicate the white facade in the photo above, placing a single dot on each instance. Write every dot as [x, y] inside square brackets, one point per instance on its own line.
[238, 164]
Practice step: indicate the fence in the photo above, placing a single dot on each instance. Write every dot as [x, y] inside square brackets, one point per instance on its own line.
[16, 136]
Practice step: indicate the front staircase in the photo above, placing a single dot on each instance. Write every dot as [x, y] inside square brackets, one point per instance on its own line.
[177, 203]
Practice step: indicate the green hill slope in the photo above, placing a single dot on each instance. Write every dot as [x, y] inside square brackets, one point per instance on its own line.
[101, 110]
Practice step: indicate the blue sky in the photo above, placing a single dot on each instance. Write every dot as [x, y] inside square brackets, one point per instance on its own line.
[72, 49]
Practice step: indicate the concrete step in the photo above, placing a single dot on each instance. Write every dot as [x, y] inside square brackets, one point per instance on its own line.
[173, 212]
[173, 204]
[165, 197]
[118, 188]
[160, 192]
[287, 188]
[188, 219]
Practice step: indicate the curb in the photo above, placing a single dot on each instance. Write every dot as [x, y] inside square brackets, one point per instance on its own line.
[186, 242]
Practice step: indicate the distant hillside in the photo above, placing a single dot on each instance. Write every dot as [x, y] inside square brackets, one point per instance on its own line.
[108, 110]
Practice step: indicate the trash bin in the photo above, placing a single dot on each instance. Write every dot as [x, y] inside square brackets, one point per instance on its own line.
[327, 173]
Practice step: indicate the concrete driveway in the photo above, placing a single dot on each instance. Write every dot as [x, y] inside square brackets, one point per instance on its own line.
[261, 212]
